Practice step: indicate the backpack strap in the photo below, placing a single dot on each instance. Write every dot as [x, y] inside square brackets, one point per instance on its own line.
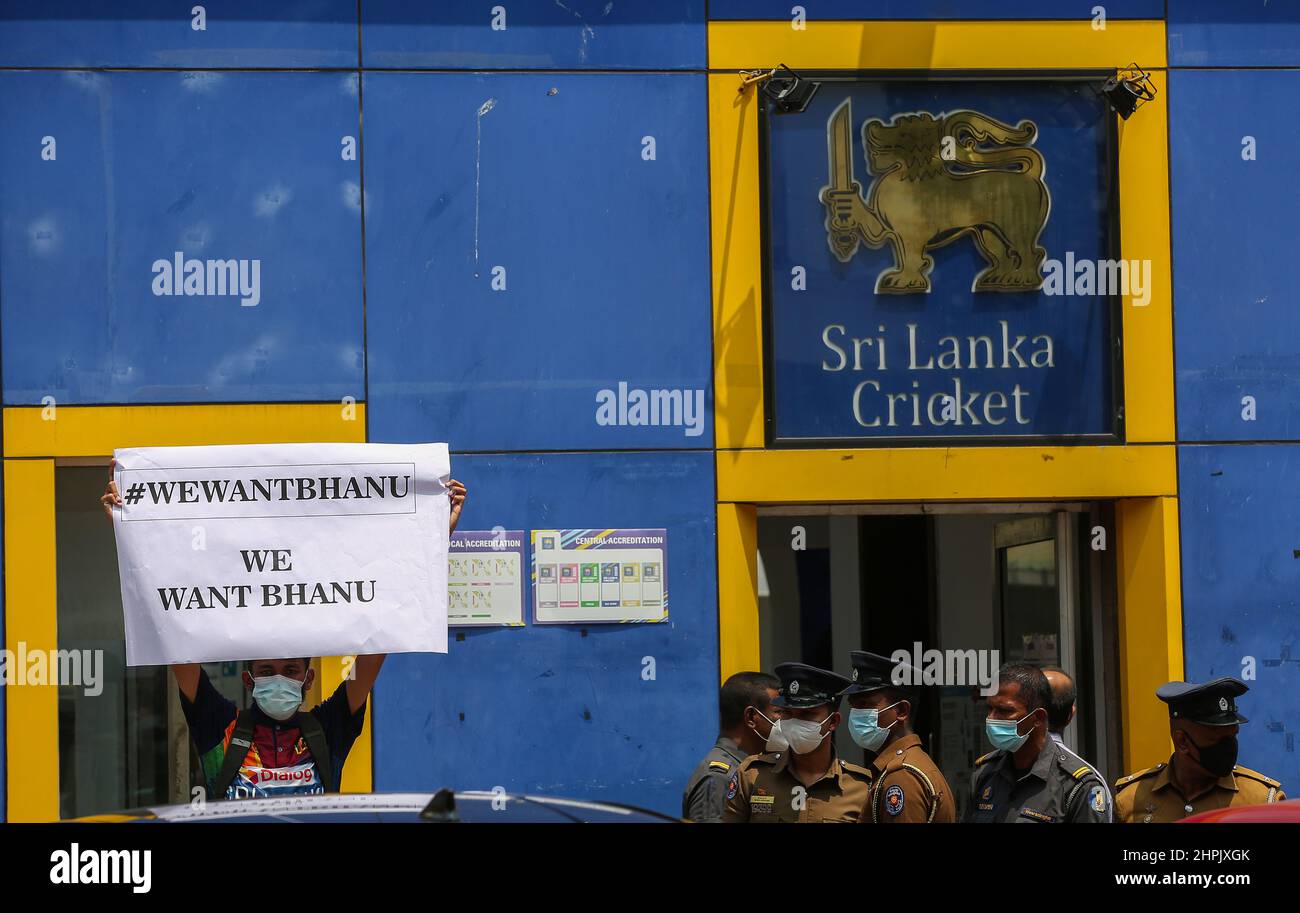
[241, 740]
[320, 750]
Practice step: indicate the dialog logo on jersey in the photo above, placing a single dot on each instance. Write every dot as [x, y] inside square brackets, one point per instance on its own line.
[254, 781]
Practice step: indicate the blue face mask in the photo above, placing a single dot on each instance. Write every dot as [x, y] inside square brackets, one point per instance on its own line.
[1004, 734]
[278, 696]
[865, 728]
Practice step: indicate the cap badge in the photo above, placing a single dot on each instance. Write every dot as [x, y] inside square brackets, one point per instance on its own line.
[1223, 703]
[794, 687]
[855, 675]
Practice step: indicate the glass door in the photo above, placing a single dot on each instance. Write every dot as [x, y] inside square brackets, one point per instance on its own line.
[1037, 594]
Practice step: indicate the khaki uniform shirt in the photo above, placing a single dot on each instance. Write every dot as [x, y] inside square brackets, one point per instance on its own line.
[765, 791]
[907, 787]
[1151, 797]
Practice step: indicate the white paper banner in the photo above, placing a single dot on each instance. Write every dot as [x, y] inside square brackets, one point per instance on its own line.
[279, 550]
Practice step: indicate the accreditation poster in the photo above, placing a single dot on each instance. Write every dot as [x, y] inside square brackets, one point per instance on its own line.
[485, 578]
[599, 576]
[272, 551]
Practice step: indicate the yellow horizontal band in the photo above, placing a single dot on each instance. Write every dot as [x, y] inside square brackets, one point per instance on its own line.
[94, 431]
[936, 45]
[951, 473]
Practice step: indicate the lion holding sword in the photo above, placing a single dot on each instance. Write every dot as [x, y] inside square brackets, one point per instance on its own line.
[938, 179]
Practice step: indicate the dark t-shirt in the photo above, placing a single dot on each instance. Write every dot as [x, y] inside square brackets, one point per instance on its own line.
[279, 763]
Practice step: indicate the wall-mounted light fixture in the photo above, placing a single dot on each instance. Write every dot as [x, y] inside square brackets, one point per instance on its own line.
[1127, 90]
[788, 92]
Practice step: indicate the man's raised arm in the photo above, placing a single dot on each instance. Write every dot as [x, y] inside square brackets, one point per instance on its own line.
[187, 676]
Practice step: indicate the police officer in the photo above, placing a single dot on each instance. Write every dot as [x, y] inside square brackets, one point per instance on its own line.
[1202, 773]
[746, 717]
[1059, 714]
[906, 786]
[806, 783]
[1028, 779]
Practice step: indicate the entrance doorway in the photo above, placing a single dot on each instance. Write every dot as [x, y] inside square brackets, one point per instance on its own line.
[1034, 582]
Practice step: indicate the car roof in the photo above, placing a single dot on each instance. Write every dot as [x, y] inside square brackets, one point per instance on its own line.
[471, 806]
[1272, 813]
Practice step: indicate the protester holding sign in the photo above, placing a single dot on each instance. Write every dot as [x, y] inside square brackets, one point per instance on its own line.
[278, 749]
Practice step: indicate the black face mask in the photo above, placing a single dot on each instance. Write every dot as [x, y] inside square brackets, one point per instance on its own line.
[1219, 758]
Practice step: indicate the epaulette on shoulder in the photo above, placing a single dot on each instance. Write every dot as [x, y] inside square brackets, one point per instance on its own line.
[1077, 771]
[1257, 776]
[719, 766]
[856, 768]
[982, 758]
[1125, 781]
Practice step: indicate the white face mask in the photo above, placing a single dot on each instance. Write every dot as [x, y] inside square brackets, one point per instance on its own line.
[803, 735]
[278, 695]
[776, 740]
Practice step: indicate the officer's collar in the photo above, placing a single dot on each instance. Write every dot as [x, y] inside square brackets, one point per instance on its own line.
[894, 749]
[1165, 778]
[833, 771]
[1042, 764]
[730, 746]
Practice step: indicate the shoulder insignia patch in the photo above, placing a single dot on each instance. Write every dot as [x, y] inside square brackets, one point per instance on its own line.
[894, 800]
[733, 785]
[1257, 776]
[1097, 799]
[1125, 781]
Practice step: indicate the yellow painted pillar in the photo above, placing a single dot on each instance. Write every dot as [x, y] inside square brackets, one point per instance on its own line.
[31, 623]
[736, 216]
[737, 588]
[358, 769]
[1150, 623]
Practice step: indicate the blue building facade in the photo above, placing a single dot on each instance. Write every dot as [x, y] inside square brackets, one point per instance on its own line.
[469, 219]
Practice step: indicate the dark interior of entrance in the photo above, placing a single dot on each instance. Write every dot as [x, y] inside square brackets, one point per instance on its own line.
[1032, 582]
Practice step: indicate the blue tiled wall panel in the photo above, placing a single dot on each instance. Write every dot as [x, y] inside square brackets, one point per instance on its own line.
[217, 166]
[1241, 592]
[162, 33]
[1236, 325]
[1242, 33]
[548, 709]
[936, 9]
[537, 34]
[605, 256]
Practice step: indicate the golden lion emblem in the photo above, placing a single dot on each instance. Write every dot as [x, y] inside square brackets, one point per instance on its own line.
[938, 179]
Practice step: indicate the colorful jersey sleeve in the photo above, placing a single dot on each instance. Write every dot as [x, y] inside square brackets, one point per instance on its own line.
[210, 717]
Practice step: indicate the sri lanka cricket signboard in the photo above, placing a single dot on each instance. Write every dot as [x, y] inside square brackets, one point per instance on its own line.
[941, 263]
